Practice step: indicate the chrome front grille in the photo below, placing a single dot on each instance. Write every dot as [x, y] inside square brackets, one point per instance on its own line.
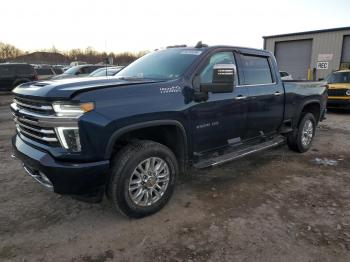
[30, 118]
[34, 106]
[337, 92]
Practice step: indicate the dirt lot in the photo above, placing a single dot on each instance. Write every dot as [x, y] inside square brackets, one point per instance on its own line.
[275, 206]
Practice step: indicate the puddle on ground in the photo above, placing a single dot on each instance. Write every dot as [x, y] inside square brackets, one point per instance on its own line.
[327, 162]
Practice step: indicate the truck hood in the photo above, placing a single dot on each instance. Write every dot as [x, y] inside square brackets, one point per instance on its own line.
[66, 88]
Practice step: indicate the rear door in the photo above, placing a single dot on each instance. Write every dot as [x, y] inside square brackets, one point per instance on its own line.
[266, 101]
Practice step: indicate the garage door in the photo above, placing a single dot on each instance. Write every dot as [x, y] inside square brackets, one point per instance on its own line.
[345, 55]
[294, 57]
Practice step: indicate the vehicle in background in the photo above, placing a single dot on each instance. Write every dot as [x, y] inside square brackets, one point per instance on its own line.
[106, 71]
[78, 71]
[14, 74]
[65, 68]
[58, 69]
[285, 76]
[76, 63]
[44, 72]
[131, 135]
[339, 89]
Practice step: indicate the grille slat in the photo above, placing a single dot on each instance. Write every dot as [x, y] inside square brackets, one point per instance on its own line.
[337, 92]
[43, 138]
[36, 129]
[32, 106]
[27, 117]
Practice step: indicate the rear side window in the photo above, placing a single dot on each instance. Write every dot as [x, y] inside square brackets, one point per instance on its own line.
[58, 70]
[24, 69]
[5, 71]
[44, 71]
[256, 70]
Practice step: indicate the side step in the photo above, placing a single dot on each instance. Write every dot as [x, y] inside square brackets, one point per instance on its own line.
[222, 159]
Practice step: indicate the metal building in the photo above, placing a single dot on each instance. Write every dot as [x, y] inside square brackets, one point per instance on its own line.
[313, 54]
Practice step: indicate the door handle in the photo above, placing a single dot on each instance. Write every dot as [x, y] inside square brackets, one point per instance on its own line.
[278, 93]
[240, 97]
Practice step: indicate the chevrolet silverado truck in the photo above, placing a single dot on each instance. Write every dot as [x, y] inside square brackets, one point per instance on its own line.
[130, 136]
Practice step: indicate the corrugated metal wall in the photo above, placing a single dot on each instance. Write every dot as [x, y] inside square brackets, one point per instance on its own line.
[323, 43]
[345, 57]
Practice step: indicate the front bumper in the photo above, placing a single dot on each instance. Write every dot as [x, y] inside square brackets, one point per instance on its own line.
[61, 177]
[338, 103]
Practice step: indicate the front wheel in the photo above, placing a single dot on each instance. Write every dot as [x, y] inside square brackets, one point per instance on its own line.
[301, 139]
[142, 178]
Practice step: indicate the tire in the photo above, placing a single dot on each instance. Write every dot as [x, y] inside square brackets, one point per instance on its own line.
[129, 173]
[300, 140]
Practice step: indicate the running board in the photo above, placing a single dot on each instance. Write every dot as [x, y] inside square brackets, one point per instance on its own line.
[222, 159]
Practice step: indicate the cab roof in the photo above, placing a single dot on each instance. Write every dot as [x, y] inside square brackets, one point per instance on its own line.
[237, 48]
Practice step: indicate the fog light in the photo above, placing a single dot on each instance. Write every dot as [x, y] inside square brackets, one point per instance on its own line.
[69, 138]
[348, 92]
[45, 179]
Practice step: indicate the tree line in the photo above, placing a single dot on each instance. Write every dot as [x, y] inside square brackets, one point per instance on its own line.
[89, 55]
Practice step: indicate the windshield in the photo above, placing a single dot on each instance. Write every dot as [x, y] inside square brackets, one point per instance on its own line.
[104, 72]
[341, 77]
[71, 71]
[161, 65]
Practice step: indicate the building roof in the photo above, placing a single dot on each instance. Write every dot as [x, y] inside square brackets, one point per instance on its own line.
[42, 58]
[311, 32]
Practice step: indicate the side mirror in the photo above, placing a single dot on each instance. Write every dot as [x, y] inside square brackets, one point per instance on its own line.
[223, 79]
[77, 73]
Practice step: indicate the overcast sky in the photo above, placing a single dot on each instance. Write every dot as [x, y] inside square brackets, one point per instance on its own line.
[130, 25]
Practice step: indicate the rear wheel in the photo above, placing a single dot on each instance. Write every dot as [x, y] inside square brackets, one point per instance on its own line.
[142, 178]
[301, 139]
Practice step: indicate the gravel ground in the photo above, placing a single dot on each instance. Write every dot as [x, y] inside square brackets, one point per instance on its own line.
[274, 206]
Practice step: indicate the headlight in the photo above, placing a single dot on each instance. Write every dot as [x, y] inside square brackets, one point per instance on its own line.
[348, 92]
[74, 110]
[69, 138]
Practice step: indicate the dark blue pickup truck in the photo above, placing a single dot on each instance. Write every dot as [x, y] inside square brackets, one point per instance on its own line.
[130, 136]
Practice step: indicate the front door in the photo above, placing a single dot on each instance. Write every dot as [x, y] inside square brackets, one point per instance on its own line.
[221, 120]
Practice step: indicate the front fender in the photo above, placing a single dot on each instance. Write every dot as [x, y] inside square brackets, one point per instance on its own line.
[154, 123]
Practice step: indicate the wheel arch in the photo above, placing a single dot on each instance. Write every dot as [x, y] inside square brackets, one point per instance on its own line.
[313, 107]
[160, 130]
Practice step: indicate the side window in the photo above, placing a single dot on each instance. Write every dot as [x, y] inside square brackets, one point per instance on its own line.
[218, 58]
[24, 69]
[44, 71]
[85, 70]
[256, 70]
[92, 69]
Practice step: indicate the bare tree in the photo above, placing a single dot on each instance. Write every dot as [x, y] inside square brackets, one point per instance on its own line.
[8, 51]
[89, 54]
